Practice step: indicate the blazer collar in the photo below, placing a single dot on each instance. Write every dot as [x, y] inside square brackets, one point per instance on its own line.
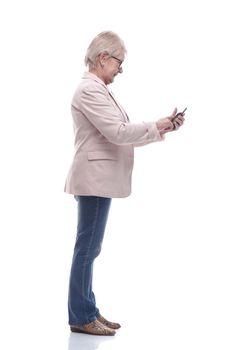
[88, 75]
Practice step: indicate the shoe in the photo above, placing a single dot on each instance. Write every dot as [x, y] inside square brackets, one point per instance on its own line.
[107, 323]
[94, 328]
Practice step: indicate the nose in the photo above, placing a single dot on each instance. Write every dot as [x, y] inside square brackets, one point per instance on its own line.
[120, 70]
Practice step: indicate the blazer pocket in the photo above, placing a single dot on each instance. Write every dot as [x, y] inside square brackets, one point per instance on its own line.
[102, 155]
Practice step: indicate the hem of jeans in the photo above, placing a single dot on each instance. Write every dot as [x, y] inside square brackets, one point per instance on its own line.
[83, 323]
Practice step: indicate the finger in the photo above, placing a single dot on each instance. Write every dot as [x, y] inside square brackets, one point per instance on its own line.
[169, 126]
[179, 120]
[176, 125]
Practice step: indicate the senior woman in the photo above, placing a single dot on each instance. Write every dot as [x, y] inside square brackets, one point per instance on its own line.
[101, 170]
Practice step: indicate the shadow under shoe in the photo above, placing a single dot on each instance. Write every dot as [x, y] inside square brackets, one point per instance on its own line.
[93, 328]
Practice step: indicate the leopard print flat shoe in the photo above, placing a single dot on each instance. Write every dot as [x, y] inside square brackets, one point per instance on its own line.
[93, 328]
[107, 323]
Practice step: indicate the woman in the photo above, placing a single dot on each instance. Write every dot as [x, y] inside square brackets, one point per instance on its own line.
[101, 170]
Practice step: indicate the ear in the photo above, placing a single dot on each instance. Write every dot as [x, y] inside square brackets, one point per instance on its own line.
[103, 58]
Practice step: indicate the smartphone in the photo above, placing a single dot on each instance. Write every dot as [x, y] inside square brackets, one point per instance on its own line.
[178, 114]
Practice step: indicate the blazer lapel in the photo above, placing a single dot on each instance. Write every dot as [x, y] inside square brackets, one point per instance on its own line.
[88, 75]
[120, 107]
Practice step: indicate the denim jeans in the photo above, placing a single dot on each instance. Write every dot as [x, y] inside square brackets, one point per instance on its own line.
[92, 219]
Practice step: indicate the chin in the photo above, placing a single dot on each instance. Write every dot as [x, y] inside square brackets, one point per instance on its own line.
[110, 81]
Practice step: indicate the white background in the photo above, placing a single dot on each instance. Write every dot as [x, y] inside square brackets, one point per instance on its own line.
[165, 271]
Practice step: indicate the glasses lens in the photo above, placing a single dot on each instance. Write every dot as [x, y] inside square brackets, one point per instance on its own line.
[118, 60]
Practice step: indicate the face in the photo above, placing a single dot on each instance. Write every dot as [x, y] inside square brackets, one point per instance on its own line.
[112, 66]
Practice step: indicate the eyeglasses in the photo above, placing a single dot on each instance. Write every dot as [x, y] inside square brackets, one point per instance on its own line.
[118, 60]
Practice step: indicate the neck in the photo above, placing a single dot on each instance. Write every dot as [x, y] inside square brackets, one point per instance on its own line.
[97, 72]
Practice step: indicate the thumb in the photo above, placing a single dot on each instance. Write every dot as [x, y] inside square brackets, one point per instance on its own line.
[174, 113]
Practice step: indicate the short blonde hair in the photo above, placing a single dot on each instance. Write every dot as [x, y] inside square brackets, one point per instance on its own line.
[106, 41]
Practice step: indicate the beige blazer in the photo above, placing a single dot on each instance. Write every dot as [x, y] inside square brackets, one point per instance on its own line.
[104, 142]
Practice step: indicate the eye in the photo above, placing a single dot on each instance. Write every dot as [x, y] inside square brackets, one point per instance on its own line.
[118, 60]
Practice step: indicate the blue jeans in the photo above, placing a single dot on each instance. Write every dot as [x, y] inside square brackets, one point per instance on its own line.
[92, 219]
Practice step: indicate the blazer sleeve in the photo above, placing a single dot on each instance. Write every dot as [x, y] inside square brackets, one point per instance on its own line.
[96, 105]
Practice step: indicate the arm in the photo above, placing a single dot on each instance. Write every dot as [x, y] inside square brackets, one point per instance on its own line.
[96, 106]
[165, 125]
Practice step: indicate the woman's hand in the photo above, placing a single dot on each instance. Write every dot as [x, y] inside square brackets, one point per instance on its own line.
[170, 123]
